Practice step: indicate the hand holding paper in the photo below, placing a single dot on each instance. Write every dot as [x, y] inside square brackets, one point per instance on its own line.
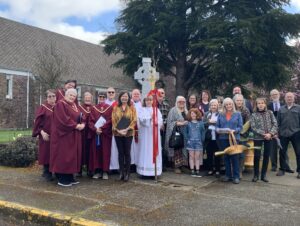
[100, 122]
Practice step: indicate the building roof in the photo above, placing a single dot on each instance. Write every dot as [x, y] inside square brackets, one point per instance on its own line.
[19, 44]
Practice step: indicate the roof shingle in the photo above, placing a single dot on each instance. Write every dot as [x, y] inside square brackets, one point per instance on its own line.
[19, 44]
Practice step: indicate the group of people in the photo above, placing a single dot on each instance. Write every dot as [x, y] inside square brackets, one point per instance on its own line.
[102, 137]
[117, 133]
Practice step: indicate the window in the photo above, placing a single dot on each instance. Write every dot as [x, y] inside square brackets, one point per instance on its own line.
[78, 88]
[9, 87]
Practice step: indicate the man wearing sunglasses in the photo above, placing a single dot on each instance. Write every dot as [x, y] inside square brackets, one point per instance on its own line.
[111, 94]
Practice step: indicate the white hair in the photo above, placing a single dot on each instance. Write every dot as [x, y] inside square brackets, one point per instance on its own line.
[72, 90]
[241, 96]
[273, 91]
[88, 94]
[213, 101]
[176, 104]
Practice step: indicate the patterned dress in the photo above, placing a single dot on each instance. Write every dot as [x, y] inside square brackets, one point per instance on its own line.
[179, 156]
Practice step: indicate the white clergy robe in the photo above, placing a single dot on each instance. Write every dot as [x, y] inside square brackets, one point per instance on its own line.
[145, 165]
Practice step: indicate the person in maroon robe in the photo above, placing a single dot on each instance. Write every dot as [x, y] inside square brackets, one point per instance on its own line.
[60, 93]
[101, 139]
[41, 129]
[85, 108]
[65, 143]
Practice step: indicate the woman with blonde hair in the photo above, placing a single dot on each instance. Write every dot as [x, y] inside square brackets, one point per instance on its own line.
[177, 117]
[229, 121]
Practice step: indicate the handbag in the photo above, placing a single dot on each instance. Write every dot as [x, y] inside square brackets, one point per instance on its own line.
[176, 140]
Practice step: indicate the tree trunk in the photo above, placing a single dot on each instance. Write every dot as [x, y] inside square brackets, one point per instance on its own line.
[180, 77]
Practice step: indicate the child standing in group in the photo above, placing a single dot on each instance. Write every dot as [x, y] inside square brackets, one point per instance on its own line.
[195, 135]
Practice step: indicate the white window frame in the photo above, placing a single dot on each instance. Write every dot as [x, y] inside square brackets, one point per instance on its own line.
[9, 85]
[78, 89]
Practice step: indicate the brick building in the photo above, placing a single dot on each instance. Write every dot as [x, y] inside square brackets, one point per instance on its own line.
[19, 92]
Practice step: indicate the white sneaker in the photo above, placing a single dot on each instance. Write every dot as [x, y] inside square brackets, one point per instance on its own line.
[97, 176]
[64, 184]
[105, 176]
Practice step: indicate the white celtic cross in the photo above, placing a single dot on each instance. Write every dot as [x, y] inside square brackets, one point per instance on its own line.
[146, 76]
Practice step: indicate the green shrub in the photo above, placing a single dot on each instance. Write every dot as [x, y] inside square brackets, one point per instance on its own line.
[20, 153]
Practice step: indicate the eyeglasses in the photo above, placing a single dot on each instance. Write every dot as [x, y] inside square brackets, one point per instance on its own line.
[110, 92]
[101, 96]
[51, 96]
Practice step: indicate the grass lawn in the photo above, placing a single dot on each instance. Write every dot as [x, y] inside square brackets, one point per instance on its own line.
[8, 135]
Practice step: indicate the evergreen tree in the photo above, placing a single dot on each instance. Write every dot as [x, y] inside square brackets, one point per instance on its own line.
[208, 43]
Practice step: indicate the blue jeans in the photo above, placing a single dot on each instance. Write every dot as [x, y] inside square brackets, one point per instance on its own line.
[232, 166]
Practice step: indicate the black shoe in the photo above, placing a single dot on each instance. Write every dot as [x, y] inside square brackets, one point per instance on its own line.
[126, 177]
[280, 173]
[290, 171]
[79, 174]
[49, 177]
[64, 182]
[217, 174]
[264, 179]
[236, 181]
[298, 176]
[121, 177]
[255, 179]
[197, 174]
[226, 179]
[210, 173]
[274, 169]
[73, 181]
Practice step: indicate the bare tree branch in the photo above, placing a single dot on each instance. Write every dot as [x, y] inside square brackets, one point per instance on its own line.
[50, 67]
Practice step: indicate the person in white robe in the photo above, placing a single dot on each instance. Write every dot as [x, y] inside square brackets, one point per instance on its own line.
[114, 159]
[137, 101]
[145, 165]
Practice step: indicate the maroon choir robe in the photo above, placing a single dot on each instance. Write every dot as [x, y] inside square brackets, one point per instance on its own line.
[60, 95]
[86, 134]
[65, 143]
[100, 157]
[43, 119]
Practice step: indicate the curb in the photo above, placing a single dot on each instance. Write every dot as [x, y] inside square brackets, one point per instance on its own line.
[44, 217]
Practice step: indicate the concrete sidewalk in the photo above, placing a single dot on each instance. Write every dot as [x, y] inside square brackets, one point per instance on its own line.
[175, 200]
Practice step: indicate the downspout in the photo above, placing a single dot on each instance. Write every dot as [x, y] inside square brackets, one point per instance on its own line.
[27, 104]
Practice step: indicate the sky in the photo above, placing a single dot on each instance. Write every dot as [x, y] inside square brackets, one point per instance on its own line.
[88, 20]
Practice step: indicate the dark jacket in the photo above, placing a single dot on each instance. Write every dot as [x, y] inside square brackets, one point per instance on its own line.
[270, 107]
[289, 120]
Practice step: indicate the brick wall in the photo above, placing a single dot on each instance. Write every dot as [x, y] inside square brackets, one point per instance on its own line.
[13, 111]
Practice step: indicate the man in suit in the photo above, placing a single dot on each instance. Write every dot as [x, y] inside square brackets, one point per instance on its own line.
[274, 106]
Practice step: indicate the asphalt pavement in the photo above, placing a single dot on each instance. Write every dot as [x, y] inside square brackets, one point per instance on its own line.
[174, 200]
